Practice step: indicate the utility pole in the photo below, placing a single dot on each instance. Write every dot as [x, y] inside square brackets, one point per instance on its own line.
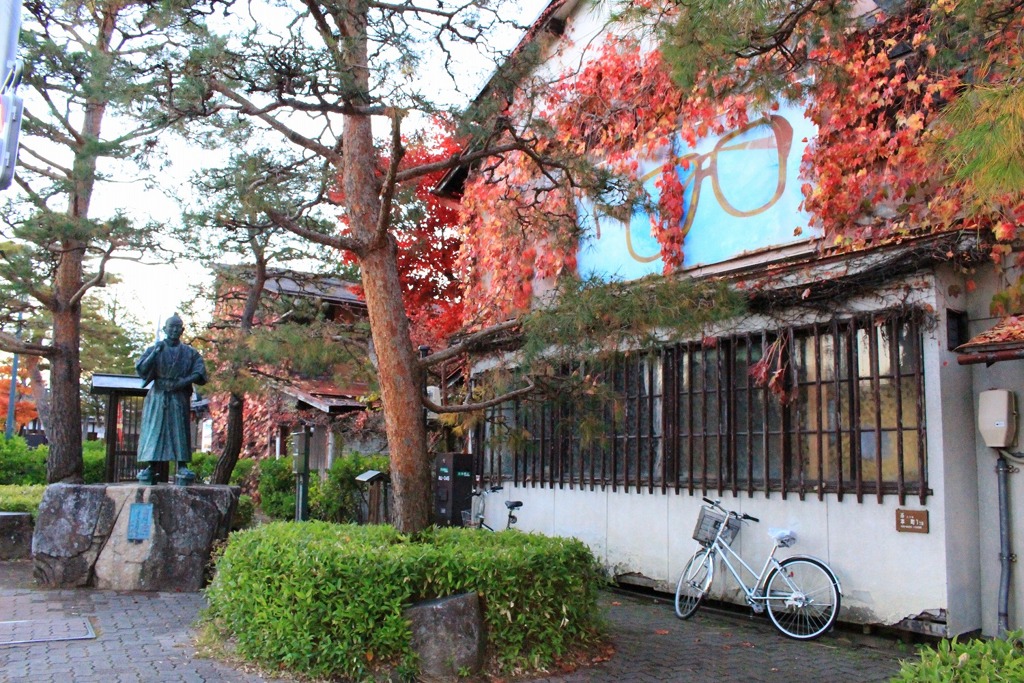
[13, 395]
[10, 102]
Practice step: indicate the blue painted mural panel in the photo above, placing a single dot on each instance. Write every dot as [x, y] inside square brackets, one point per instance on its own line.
[741, 193]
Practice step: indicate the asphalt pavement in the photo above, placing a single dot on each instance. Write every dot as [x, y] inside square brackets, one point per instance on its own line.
[86, 635]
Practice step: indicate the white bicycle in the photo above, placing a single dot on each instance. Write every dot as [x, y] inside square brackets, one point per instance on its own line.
[801, 593]
[475, 519]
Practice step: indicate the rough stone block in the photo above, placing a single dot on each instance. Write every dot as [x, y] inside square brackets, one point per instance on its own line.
[82, 535]
[448, 635]
[15, 535]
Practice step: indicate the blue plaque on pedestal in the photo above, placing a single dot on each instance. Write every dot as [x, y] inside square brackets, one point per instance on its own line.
[140, 522]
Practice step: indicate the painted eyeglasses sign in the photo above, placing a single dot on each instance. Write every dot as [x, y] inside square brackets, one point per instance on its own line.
[741, 192]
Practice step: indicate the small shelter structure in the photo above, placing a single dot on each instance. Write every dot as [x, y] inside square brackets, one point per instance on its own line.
[123, 419]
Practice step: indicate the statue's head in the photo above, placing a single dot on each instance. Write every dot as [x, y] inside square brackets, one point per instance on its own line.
[173, 328]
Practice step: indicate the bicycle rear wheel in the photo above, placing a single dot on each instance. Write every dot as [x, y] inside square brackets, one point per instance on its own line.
[803, 598]
[694, 583]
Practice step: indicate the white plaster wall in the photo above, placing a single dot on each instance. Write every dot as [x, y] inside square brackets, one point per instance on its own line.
[1002, 375]
[886, 575]
[952, 435]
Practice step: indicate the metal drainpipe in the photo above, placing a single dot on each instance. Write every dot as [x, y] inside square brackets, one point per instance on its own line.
[1005, 555]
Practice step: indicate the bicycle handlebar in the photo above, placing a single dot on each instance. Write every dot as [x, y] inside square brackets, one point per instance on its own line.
[744, 516]
[489, 489]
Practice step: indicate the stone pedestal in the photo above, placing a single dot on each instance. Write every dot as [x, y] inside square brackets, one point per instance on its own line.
[15, 535]
[129, 536]
[448, 636]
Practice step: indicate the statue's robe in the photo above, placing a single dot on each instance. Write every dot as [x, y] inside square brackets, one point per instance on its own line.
[165, 433]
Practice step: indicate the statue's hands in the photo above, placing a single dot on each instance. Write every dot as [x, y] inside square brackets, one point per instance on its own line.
[182, 384]
[160, 346]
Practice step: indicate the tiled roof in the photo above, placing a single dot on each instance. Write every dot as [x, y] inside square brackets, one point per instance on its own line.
[1008, 333]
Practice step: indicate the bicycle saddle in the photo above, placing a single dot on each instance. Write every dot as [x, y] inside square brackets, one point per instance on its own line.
[513, 504]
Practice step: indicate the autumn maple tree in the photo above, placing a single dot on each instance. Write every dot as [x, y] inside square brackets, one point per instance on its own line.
[428, 234]
[24, 407]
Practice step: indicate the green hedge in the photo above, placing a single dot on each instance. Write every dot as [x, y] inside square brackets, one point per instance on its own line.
[94, 462]
[21, 498]
[21, 465]
[24, 466]
[245, 511]
[326, 600]
[970, 661]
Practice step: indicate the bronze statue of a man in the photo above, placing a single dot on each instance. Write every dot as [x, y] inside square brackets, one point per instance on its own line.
[170, 368]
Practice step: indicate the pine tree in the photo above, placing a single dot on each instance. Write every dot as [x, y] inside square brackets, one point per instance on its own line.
[94, 71]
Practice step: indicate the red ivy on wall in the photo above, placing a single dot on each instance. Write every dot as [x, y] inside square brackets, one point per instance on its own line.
[871, 174]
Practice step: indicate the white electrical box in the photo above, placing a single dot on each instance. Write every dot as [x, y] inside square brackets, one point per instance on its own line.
[997, 418]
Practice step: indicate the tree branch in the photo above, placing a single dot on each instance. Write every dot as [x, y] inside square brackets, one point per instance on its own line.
[409, 7]
[333, 241]
[251, 109]
[388, 193]
[480, 405]
[455, 162]
[95, 279]
[470, 343]
[11, 344]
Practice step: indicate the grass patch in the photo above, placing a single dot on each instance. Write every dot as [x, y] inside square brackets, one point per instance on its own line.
[977, 660]
[21, 498]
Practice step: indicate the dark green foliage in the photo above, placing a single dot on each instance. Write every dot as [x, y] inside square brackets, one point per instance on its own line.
[971, 661]
[21, 498]
[21, 465]
[203, 463]
[244, 513]
[277, 488]
[327, 599]
[338, 497]
[591, 316]
[94, 461]
[706, 37]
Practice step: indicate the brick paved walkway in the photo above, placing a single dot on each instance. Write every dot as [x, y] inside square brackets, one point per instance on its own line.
[653, 645]
[146, 637]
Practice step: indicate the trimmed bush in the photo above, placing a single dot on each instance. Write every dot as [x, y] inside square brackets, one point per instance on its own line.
[21, 465]
[327, 600]
[971, 661]
[21, 498]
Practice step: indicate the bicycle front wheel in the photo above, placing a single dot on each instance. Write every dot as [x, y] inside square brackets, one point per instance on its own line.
[694, 583]
[803, 598]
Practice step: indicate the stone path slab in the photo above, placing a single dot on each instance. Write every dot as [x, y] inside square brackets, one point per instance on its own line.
[44, 630]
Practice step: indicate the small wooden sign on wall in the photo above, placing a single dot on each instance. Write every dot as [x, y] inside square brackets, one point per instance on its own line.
[912, 521]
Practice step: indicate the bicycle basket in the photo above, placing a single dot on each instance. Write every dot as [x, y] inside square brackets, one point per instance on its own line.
[467, 519]
[708, 523]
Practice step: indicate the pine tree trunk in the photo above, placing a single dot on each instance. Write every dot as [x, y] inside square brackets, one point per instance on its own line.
[236, 403]
[64, 463]
[397, 368]
[232, 441]
[400, 386]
